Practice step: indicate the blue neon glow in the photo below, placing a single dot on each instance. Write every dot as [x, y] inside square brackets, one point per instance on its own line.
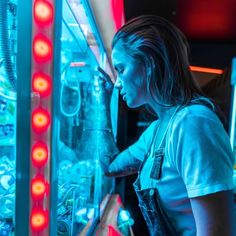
[233, 111]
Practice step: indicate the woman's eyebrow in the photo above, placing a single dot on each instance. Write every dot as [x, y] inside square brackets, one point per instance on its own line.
[118, 65]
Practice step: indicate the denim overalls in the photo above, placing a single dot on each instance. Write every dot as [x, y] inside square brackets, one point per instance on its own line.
[149, 201]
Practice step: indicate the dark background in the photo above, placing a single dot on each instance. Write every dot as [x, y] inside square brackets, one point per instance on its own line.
[209, 25]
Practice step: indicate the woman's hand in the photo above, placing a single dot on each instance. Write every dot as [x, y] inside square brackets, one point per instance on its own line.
[104, 79]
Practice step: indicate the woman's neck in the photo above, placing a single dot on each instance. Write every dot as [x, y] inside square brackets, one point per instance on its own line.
[164, 112]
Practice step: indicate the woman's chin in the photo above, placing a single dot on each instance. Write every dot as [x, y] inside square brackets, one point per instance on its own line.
[128, 103]
[131, 105]
[134, 105]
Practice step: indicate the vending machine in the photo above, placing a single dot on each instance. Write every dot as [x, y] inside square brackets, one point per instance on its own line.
[57, 119]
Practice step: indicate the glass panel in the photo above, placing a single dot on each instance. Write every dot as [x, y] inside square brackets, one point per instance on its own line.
[232, 130]
[85, 125]
[233, 122]
[8, 52]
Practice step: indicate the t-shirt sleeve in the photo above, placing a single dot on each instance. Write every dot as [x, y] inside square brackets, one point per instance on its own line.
[201, 152]
[140, 148]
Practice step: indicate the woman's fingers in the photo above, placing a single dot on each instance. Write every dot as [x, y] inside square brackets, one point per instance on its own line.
[104, 78]
[104, 74]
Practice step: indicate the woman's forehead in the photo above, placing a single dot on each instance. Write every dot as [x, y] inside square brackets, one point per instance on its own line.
[119, 54]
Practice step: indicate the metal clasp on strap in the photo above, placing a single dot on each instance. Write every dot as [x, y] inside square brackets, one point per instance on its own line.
[157, 164]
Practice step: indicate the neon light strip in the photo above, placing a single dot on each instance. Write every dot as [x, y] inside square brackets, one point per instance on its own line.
[206, 70]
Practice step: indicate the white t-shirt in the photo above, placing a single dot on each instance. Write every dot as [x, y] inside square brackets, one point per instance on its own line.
[198, 161]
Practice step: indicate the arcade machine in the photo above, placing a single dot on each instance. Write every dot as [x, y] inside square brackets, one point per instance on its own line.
[57, 120]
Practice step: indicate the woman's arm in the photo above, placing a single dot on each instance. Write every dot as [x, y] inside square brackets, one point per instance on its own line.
[202, 154]
[121, 165]
[213, 214]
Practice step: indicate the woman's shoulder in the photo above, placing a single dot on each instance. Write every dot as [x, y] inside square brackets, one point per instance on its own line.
[198, 109]
[150, 125]
[197, 115]
[197, 122]
[149, 131]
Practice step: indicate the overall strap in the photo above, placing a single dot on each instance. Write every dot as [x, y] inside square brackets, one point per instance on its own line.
[163, 141]
[149, 148]
[160, 151]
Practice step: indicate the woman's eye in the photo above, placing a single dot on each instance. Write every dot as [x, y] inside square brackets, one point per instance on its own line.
[120, 71]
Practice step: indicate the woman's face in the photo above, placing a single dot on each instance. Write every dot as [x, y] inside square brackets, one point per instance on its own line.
[131, 77]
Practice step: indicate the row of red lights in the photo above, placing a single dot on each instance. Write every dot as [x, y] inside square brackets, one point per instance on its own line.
[41, 118]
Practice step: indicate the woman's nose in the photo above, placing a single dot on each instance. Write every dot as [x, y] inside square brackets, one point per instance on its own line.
[118, 83]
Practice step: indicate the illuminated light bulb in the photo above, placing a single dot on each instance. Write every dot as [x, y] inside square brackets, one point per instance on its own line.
[42, 84]
[40, 120]
[39, 187]
[39, 154]
[42, 48]
[43, 12]
[38, 219]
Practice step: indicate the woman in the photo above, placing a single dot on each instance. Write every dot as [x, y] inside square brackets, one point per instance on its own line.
[184, 158]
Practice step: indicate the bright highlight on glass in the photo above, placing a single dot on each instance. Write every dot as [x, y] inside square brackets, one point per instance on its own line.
[42, 49]
[124, 215]
[40, 120]
[41, 83]
[43, 12]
